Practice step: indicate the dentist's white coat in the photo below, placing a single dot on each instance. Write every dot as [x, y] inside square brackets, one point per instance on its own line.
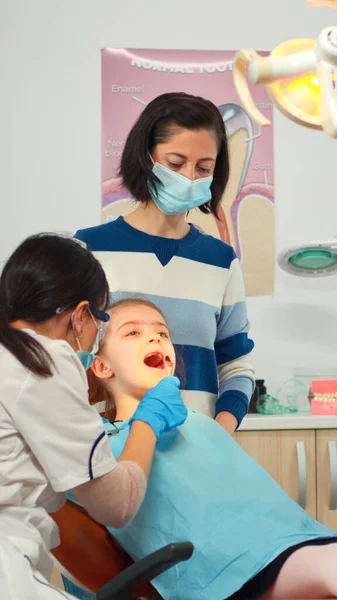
[51, 440]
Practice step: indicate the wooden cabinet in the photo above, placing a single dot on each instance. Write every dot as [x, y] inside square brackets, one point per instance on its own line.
[303, 462]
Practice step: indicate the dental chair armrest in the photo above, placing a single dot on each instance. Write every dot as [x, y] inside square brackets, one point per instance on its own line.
[123, 585]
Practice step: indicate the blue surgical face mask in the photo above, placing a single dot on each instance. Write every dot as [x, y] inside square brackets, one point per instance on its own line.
[177, 194]
[87, 358]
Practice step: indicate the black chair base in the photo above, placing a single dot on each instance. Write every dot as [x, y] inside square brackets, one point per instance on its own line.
[143, 571]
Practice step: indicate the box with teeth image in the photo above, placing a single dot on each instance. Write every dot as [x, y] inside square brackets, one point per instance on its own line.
[324, 397]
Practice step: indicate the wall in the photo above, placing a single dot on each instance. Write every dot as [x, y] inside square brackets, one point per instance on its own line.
[50, 152]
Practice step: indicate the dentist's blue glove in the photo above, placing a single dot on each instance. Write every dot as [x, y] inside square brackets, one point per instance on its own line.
[162, 407]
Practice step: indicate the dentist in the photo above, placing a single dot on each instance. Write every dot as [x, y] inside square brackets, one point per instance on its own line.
[53, 300]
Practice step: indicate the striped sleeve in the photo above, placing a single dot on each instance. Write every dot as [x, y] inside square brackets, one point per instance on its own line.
[232, 348]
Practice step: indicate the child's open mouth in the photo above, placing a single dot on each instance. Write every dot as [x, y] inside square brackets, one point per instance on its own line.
[156, 360]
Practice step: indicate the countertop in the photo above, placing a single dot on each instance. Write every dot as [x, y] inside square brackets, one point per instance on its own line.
[257, 422]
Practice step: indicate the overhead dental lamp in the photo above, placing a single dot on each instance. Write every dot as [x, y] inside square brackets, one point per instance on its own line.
[315, 259]
[300, 77]
[301, 80]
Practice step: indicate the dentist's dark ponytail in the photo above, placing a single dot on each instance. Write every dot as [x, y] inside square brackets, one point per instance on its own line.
[45, 272]
[24, 347]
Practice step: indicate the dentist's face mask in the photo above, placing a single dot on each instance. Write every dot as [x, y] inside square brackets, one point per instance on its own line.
[87, 358]
[177, 194]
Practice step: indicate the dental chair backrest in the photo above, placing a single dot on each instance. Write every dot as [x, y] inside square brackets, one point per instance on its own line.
[88, 555]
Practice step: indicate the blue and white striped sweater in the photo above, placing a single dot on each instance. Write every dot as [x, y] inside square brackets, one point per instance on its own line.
[197, 283]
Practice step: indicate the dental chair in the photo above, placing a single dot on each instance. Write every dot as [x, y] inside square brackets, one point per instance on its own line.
[91, 559]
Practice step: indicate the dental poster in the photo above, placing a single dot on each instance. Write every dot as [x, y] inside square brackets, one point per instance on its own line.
[131, 79]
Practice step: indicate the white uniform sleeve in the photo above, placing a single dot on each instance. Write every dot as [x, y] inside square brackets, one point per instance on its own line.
[55, 418]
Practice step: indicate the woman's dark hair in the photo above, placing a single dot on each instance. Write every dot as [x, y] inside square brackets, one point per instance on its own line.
[44, 273]
[155, 125]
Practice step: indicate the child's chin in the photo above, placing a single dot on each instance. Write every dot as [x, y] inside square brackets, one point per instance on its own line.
[156, 376]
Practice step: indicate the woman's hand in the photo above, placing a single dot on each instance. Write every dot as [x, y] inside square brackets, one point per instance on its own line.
[227, 421]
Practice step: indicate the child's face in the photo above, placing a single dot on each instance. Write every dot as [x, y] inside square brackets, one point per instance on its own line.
[137, 348]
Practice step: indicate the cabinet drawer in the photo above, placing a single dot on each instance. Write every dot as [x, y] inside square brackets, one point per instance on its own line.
[326, 465]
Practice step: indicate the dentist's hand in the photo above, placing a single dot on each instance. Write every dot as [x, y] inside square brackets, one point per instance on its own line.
[162, 407]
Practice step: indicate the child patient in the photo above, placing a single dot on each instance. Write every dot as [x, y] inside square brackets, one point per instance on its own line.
[251, 540]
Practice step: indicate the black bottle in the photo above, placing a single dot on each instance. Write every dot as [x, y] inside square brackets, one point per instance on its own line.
[260, 389]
